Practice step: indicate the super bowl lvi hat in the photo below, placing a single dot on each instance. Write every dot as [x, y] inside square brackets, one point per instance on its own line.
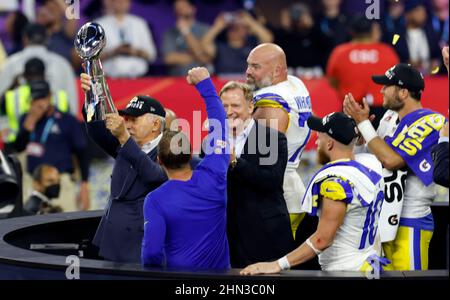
[338, 125]
[402, 75]
[140, 105]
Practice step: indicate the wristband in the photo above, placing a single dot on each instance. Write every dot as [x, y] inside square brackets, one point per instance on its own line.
[284, 263]
[367, 131]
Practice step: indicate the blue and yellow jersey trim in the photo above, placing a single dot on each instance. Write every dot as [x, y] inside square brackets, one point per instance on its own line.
[338, 189]
[335, 188]
[271, 100]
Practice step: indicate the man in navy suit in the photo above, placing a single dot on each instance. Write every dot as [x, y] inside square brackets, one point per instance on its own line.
[257, 217]
[130, 137]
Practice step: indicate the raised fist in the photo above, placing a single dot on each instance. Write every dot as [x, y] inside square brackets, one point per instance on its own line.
[195, 75]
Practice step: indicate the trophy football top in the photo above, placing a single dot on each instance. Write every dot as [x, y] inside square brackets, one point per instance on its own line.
[90, 40]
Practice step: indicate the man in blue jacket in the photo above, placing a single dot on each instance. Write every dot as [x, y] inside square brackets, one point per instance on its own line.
[185, 218]
[131, 138]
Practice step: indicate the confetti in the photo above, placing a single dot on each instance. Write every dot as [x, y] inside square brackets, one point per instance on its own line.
[435, 70]
[395, 39]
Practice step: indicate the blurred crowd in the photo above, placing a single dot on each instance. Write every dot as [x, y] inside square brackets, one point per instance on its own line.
[308, 31]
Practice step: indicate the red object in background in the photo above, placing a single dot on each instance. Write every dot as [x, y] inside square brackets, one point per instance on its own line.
[353, 65]
[183, 99]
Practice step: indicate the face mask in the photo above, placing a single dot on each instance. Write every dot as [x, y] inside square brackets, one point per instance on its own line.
[52, 191]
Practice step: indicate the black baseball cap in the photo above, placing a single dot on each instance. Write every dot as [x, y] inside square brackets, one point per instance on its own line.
[338, 125]
[402, 75]
[39, 89]
[140, 105]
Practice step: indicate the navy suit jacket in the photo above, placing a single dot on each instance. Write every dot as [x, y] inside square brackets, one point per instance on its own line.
[258, 220]
[441, 163]
[135, 174]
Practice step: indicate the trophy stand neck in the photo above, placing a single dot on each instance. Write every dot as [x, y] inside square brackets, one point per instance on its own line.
[94, 67]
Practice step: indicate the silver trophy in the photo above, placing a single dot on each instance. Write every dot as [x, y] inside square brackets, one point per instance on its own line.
[89, 43]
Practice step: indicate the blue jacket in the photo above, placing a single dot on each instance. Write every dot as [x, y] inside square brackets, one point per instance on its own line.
[185, 221]
[135, 174]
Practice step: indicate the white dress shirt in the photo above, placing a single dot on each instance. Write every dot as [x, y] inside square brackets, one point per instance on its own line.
[132, 30]
[148, 147]
[239, 141]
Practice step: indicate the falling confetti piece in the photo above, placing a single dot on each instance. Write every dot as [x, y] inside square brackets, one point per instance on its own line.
[395, 39]
[435, 70]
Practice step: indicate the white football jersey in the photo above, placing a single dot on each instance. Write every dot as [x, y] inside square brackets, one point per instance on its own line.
[292, 96]
[357, 238]
[418, 197]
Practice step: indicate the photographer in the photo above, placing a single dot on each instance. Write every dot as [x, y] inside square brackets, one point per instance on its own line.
[242, 34]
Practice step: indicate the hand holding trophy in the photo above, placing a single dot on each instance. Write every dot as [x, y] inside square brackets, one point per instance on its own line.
[89, 43]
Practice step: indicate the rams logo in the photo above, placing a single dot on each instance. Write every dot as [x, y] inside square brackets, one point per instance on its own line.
[424, 166]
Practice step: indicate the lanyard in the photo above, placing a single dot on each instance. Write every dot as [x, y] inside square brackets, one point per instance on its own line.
[45, 132]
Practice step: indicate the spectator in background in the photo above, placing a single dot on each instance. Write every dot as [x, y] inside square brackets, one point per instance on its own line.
[130, 47]
[440, 21]
[393, 21]
[333, 22]
[182, 48]
[17, 102]
[58, 71]
[418, 43]
[46, 187]
[352, 64]
[305, 44]
[60, 30]
[15, 24]
[243, 33]
[52, 137]
[2, 56]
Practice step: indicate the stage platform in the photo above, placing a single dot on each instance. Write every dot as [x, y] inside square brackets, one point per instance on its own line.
[57, 238]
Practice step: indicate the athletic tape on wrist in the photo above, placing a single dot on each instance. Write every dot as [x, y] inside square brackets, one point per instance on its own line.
[367, 131]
